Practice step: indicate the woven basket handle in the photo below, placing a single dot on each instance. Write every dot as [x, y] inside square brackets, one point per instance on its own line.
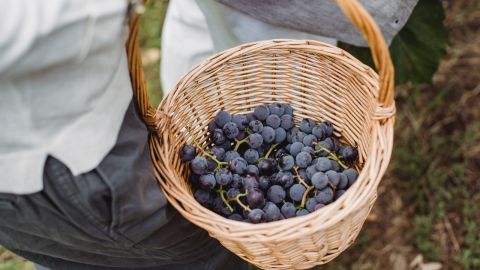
[150, 116]
[380, 53]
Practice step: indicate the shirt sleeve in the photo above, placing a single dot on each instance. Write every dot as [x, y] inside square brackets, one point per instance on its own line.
[324, 17]
[36, 34]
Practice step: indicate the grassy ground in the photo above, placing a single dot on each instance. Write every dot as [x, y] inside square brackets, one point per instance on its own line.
[428, 212]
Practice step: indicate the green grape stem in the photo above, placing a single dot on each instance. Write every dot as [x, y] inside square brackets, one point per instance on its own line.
[269, 151]
[300, 180]
[237, 199]
[332, 186]
[238, 143]
[222, 195]
[331, 156]
[212, 157]
[305, 195]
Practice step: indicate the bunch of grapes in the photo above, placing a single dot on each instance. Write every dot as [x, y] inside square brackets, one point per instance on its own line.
[260, 167]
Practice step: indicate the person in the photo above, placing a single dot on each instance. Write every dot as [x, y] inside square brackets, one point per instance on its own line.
[77, 189]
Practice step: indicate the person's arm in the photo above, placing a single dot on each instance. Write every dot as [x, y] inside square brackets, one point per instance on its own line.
[36, 34]
[325, 18]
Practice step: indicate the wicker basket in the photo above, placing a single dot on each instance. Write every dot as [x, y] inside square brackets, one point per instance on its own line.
[322, 82]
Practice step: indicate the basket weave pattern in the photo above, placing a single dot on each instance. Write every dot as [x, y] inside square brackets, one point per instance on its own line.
[321, 82]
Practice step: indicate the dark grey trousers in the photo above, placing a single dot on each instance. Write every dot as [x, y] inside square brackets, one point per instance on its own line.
[113, 217]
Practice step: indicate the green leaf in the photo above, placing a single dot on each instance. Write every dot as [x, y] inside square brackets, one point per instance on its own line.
[418, 48]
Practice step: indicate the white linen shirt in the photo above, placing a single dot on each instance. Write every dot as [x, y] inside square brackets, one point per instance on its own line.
[64, 86]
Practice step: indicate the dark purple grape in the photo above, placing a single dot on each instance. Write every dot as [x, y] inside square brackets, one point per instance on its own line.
[280, 135]
[343, 181]
[296, 148]
[188, 152]
[232, 193]
[241, 121]
[236, 217]
[327, 128]
[296, 192]
[272, 212]
[303, 159]
[218, 137]
[220, 207]
[267, 166]
[256, 216]
[264, 182]
[339, 193]
[335, 166]
[319, 180]
[255, 140]
[250, 117]
[273, 121]
[286, 163]
[222, 118]
[276, 109]
[261, 112]
[255, 198]
[230, 130]
[236, 181]
[199, 165]
[253, 170]
[302, 212]
[318, 132]
[241, 135]
[212, 126]
[280, 153]
[298, 136]
[320, 148]
[309, 140]
[227, 145]
[256, 126]
[310, 204]
[212, 165]
[349, 154]
[310, 171]
[324, 196]
[303, 174]
[288, 210]
[223, 177]
[249, 182]
[309, 150]
[202, 196]
[276, 194]
[251, 156]
[285, 179]
[230, 155]
[307, 125]
[318, 206]
[286, 122]
[333, 177]
[268, 134]
[335, 144]
[323, 164]
[238, 165]
[218, 152]
[287, 109]
[352, 175]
